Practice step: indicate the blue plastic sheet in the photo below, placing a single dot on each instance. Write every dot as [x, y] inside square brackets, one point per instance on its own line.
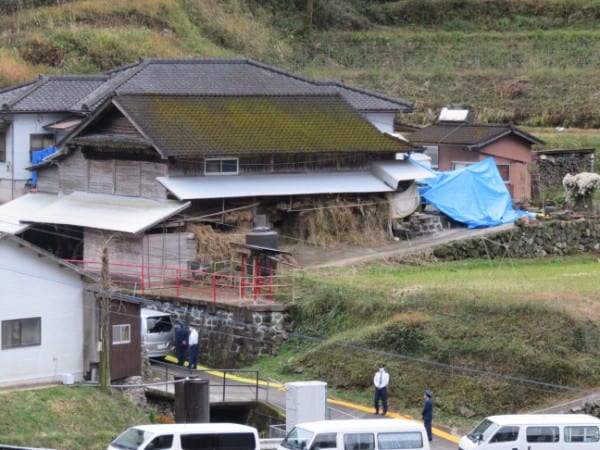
[475, 195]
[37, 156]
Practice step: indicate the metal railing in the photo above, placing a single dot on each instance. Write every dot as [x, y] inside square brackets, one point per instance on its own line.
[195, 283]
[226, 384]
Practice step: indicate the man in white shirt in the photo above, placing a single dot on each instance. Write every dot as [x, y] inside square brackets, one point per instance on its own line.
[381, 380]
[193, 343]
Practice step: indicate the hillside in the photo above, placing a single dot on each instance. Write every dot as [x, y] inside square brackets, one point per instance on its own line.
[533, 62]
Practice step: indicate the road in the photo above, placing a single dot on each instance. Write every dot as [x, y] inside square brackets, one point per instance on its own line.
[242, 387]
[315, 257]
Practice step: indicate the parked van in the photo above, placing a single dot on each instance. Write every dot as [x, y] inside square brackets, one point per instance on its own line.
[534, 432]
[356, 434]
[158, 336]
[188, 436]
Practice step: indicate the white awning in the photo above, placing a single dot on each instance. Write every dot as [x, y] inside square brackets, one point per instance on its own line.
[392, 172]
[63, 124]
[230, 186]
[12, 212]
[104, 212]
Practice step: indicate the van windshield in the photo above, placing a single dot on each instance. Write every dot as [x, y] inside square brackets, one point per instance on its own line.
[130, 439]
[159, 324]
[483, 431]
[297, 439]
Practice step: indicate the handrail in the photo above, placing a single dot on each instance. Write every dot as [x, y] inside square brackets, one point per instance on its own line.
[191, 282]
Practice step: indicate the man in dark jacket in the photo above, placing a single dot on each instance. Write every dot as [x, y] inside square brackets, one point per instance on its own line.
[427, 414]
[181, 341]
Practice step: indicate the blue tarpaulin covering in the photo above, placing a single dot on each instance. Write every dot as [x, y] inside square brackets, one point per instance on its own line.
[475, 195]
[37, 156]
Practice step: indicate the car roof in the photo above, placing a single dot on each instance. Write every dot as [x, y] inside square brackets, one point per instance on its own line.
[544, 419]
[360, 425]
[196, 428]
[147, 312]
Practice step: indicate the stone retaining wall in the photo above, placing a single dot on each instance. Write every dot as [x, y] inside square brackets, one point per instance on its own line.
[529, 240]
[231, 335]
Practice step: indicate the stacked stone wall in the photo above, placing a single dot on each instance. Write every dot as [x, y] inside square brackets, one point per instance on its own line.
[529, 240]
[231, 336]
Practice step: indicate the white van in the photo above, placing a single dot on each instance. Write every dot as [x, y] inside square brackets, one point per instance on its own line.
[356, 434]
[534, 432]
[158, 335]
[188, 436]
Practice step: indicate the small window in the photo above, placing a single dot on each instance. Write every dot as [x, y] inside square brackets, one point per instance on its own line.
[542, 434]
[504, 170]
[582, 434]
[324, 440]
[40, 142]
[221, 166]
[506, 434]
[457, 165]
[400, 440]
[161, 442]
[21, 333]
[432, 151]
[359, 441]
[2, 146]
[121, 334]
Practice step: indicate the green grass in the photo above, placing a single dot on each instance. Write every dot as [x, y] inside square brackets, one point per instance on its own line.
[77, 417]
[437, 325]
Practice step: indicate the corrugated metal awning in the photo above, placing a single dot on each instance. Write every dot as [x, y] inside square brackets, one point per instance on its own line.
[230, 186]
[104, 212]
[12, 212]
[392, 172]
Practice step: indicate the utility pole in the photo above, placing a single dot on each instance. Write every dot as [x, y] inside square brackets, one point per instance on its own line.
[308, 19]
[104, 303]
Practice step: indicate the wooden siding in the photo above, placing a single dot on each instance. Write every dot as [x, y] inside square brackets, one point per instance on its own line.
[128, 178]
[113, 123]
[47, 180]
[151, 188]
[125, 359]
[102, 180]
[132, 253]
[73, 173]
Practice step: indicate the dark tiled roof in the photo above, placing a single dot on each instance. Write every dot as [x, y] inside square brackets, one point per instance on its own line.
[8, 95]
[229, 77]
[467, 134]
[367, 101]
[54, 93]
[184, 126]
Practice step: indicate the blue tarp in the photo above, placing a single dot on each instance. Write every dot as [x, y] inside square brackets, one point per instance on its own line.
[475, 195]
[37, 156]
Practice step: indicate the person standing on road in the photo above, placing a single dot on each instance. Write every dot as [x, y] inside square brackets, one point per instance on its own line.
[427, 414]
[193, 350]
[181, 341]
[381, 381]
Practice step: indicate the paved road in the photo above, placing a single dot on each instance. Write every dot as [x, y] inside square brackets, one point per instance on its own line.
[317, 257]
[243, 388]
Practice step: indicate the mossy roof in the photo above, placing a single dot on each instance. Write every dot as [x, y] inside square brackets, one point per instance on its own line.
[468, 134]
[192, 126]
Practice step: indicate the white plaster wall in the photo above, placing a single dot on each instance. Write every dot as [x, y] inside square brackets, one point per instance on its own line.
[17, 152]
[384, 122]
[34, 286]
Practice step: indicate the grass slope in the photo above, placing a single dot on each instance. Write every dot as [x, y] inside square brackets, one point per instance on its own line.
[77, 417]
[490, 336]
[505, 59]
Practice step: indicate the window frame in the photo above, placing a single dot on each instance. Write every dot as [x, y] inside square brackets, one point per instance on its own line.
[9, 335]
[222, 162]
[537, 431]
[44, 139]
[2, 145]
[433, 151]
[119, 335]
[587, 433]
